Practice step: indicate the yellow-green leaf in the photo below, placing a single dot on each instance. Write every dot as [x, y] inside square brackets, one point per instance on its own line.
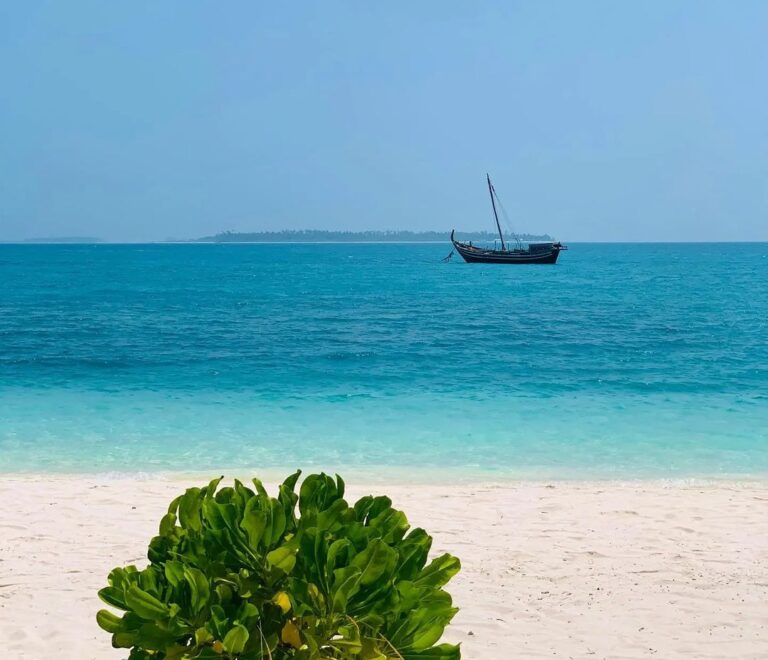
[236, 639]
[283, 558]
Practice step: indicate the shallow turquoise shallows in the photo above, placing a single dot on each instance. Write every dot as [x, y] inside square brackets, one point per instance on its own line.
[620, 361]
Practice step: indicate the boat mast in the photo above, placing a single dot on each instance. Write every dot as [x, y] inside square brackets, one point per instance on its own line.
[495, 215]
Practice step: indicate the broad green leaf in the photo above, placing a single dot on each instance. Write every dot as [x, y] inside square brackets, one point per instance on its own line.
[167, 524]
[346, 583]
[220, 515]
[330, 518]
[424, 623]
[109, 622]
[391, 524]
[283, 558]
[409, 595]
[189, 509]
[254, 522]
[348, 639]
[413, 552]
[113, 596]
[307, 599]
[225, 495]
[174, 505]
[155, 637]
[174, 572]
[290, 482]
[318, 492]
[160, 547]
[210, 489]
[199, 588]
[313, 553]
[371, 650]
[236, 639]
[176, 652]
[288, 498]
[123, 640]
[340, 486]
[380, 503]
[339, 554]
[260, 487]
[145, 605]
[362, 506]
[243, 492]
[275, 523]
[219, 620]
[224, 593]
[427, 636]
[247, 611]
[351, 646]
[148, 580]
[441, 652]
[121, 577]
[203, 636]
[438, 572]
[375, 561]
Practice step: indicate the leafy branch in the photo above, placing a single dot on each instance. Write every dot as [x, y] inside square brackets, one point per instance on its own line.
[235, 574]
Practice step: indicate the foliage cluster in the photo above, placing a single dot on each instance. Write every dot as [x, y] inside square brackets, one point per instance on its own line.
[237, 574]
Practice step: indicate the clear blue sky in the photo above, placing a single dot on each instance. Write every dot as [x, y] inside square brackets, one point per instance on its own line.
[598, 120]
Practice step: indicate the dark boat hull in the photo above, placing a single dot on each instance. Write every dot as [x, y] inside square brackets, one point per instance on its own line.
[500, 258]
[475, 255]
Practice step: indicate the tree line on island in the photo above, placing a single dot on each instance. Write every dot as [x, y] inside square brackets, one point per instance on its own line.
[373, 236]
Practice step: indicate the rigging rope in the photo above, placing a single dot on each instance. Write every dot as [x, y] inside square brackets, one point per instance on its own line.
[505, 218]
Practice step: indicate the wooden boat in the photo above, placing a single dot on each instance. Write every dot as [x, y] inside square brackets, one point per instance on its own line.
[534, 253]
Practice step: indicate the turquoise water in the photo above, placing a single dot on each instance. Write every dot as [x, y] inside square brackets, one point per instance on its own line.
[623, 360]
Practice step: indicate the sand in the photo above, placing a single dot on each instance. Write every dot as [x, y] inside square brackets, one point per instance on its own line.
[565, 570]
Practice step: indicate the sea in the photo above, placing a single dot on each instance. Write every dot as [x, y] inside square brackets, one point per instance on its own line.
[622, 361]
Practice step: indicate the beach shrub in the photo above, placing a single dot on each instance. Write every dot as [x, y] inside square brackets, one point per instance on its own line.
[237, 574]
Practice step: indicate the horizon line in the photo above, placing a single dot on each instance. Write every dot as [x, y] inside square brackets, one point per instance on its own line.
[33, 242]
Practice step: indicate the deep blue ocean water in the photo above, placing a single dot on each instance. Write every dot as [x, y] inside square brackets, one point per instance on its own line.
[623, 360]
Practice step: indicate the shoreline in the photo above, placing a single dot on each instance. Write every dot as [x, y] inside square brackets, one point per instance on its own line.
[550, 568]
[404, 476]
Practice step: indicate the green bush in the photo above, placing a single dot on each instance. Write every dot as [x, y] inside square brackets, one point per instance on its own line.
[236, 574]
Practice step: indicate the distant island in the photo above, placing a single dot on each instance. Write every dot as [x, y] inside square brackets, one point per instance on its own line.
[325, 236]
[63, 239]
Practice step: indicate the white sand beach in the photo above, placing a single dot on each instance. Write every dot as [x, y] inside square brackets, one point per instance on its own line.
[561, 569]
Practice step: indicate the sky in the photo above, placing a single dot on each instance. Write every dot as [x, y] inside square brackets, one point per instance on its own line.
[598, 120]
